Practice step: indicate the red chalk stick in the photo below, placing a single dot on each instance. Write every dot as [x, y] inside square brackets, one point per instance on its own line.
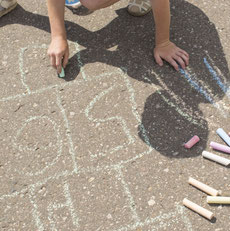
[192, 142]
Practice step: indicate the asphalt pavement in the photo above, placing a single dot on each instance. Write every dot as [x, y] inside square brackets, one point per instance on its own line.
[102, 149]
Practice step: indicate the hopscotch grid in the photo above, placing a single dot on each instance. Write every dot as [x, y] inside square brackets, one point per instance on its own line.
[117, 167]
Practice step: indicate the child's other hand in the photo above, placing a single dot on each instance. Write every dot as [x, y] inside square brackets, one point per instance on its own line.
[172, 54]
[59, 53]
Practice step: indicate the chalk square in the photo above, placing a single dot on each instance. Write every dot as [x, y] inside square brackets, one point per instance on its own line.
[54, 205]
[34, 145]
[100, 200]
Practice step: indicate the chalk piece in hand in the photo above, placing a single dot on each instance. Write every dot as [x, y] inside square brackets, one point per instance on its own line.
[192, 142]
[218, 200]
[196, 208]
[62, 74]
[203, 187]
[223, 135]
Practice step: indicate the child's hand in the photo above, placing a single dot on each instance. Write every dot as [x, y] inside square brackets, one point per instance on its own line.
[172, 54]
[59, 53]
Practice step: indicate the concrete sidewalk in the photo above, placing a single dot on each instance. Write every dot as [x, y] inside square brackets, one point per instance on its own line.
[103, 149]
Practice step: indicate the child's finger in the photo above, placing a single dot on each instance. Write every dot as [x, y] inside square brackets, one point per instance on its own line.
[173, 63]
[65, 59]
[53, 61]
[184, 57]
[58, 64]
[158, 59]
[184, 52]
[180, 61]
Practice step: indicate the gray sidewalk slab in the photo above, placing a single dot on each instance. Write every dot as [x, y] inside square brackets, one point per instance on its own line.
[102, 149]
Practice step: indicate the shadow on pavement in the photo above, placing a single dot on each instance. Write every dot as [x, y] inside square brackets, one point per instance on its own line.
[171, 114]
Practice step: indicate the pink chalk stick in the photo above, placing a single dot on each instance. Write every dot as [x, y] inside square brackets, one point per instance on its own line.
[192, 142]
[220, 147]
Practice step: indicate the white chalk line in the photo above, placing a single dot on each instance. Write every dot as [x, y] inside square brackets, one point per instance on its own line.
[69, 204]
[130, 199]
[80, 64]
[68, 132]
[35, 212]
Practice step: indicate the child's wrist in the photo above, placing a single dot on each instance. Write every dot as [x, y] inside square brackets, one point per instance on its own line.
[59, 37]
[162, 44]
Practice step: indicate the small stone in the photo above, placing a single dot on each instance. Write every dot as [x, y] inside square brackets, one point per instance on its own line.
[109, 216]
[72, 113]
[175, 154]
[151, 202]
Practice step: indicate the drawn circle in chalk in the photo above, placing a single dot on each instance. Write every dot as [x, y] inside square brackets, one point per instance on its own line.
[39, 144]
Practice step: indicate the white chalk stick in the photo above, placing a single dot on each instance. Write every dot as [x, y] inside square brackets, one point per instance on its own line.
[196, 208]
[216, 158]
[218, 200]
[203, 187]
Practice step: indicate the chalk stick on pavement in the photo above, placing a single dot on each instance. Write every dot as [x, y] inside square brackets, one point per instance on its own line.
[218, 200]
[62, 74]
[198, 209]
[220, 147]
[203, 187]
[192, 142]
[223, 135]
[216, 158]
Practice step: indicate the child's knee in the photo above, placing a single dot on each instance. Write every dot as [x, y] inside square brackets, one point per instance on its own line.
[92, 4]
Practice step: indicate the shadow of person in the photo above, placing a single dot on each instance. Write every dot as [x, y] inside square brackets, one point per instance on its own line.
[171, 114]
